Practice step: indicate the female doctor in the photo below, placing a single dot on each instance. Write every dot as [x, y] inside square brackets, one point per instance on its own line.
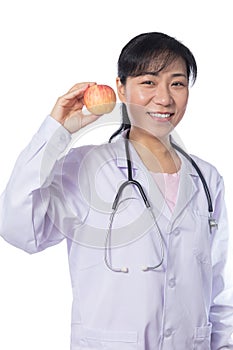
[148, 272]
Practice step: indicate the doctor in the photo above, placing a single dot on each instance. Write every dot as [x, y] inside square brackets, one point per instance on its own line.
[142, 279]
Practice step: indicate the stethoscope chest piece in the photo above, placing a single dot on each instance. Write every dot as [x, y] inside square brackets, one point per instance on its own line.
[212, 223]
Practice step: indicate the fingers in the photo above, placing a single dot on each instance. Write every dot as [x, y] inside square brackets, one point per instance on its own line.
[70, 102]
[78, 121]
[76, 92]
[89, 118]
[68, 108]
[83, 85]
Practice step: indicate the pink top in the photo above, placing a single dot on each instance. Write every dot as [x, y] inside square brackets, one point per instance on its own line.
[169, 187]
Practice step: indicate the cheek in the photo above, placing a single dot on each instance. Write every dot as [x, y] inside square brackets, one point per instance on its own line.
[181, 103]
[136, 97]
[185, 101]
[181, 108]
[136, 102]
[135, 111]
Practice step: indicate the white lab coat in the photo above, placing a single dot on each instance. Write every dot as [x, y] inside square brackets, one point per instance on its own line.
[184, 304]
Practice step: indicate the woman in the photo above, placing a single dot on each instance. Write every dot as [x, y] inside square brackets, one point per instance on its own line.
[142, 279]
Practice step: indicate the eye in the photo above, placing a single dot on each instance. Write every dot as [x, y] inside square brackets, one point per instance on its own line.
[148, 82]
[178, 83]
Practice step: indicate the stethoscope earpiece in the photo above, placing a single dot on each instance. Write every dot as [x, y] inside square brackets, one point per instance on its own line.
[124, 269]
[145, 268]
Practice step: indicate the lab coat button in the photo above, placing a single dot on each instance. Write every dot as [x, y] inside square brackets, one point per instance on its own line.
[172, 283]
[168, 332]
[62, 138]
[176, 232]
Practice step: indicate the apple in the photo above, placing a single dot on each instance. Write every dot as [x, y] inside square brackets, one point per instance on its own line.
[99, 99]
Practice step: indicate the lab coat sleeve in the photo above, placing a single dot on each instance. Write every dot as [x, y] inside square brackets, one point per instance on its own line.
[26, 201]
[221, 312]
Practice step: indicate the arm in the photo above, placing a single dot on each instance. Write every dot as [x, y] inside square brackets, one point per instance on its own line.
[33, 201]
[221, 312]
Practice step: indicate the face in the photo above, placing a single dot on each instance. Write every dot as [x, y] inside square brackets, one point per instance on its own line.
[156, 102]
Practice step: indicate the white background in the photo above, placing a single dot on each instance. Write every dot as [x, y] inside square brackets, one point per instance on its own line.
[46, 47]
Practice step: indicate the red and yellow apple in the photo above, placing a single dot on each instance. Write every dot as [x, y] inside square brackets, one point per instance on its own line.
[99, 99]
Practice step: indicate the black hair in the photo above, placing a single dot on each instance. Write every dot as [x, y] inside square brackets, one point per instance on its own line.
[156, 50]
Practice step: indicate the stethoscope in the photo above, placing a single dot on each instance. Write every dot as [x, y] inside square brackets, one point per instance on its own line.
[130, 181]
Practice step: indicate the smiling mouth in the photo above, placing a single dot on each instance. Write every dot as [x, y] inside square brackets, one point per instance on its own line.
[164, 116]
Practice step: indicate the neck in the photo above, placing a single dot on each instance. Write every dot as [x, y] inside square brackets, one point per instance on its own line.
[158, 146]
[156, 153]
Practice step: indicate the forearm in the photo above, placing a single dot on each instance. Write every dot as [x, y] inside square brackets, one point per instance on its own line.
[32, 172]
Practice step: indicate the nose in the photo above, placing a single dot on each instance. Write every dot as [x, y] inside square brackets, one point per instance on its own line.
[162, 95]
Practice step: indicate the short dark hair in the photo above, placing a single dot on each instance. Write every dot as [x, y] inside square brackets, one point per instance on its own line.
[151, 50]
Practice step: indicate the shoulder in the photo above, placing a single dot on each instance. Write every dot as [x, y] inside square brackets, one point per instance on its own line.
[85, 163]
[209, 171]
[204, 164]
[93, 152]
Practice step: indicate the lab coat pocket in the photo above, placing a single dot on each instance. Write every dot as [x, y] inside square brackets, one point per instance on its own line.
[202, 243]
[202, 338]
[84, 338]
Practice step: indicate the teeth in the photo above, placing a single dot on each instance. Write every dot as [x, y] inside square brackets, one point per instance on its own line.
[160, 115]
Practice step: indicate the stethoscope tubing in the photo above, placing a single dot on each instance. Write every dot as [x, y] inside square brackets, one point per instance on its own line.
[131, 181]
[116, 203]
[194, 164]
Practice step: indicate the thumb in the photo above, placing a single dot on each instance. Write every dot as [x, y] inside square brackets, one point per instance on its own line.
[78, 121]
[89, 118]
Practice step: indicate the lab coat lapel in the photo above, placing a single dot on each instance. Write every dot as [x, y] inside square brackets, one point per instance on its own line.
[187, 188]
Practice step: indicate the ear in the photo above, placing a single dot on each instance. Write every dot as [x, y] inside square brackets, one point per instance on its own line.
[120, 90]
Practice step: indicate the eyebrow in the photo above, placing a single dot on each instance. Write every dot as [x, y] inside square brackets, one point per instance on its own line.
[174, 75]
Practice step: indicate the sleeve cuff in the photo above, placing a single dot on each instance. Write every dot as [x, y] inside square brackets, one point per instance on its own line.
[52, 132]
